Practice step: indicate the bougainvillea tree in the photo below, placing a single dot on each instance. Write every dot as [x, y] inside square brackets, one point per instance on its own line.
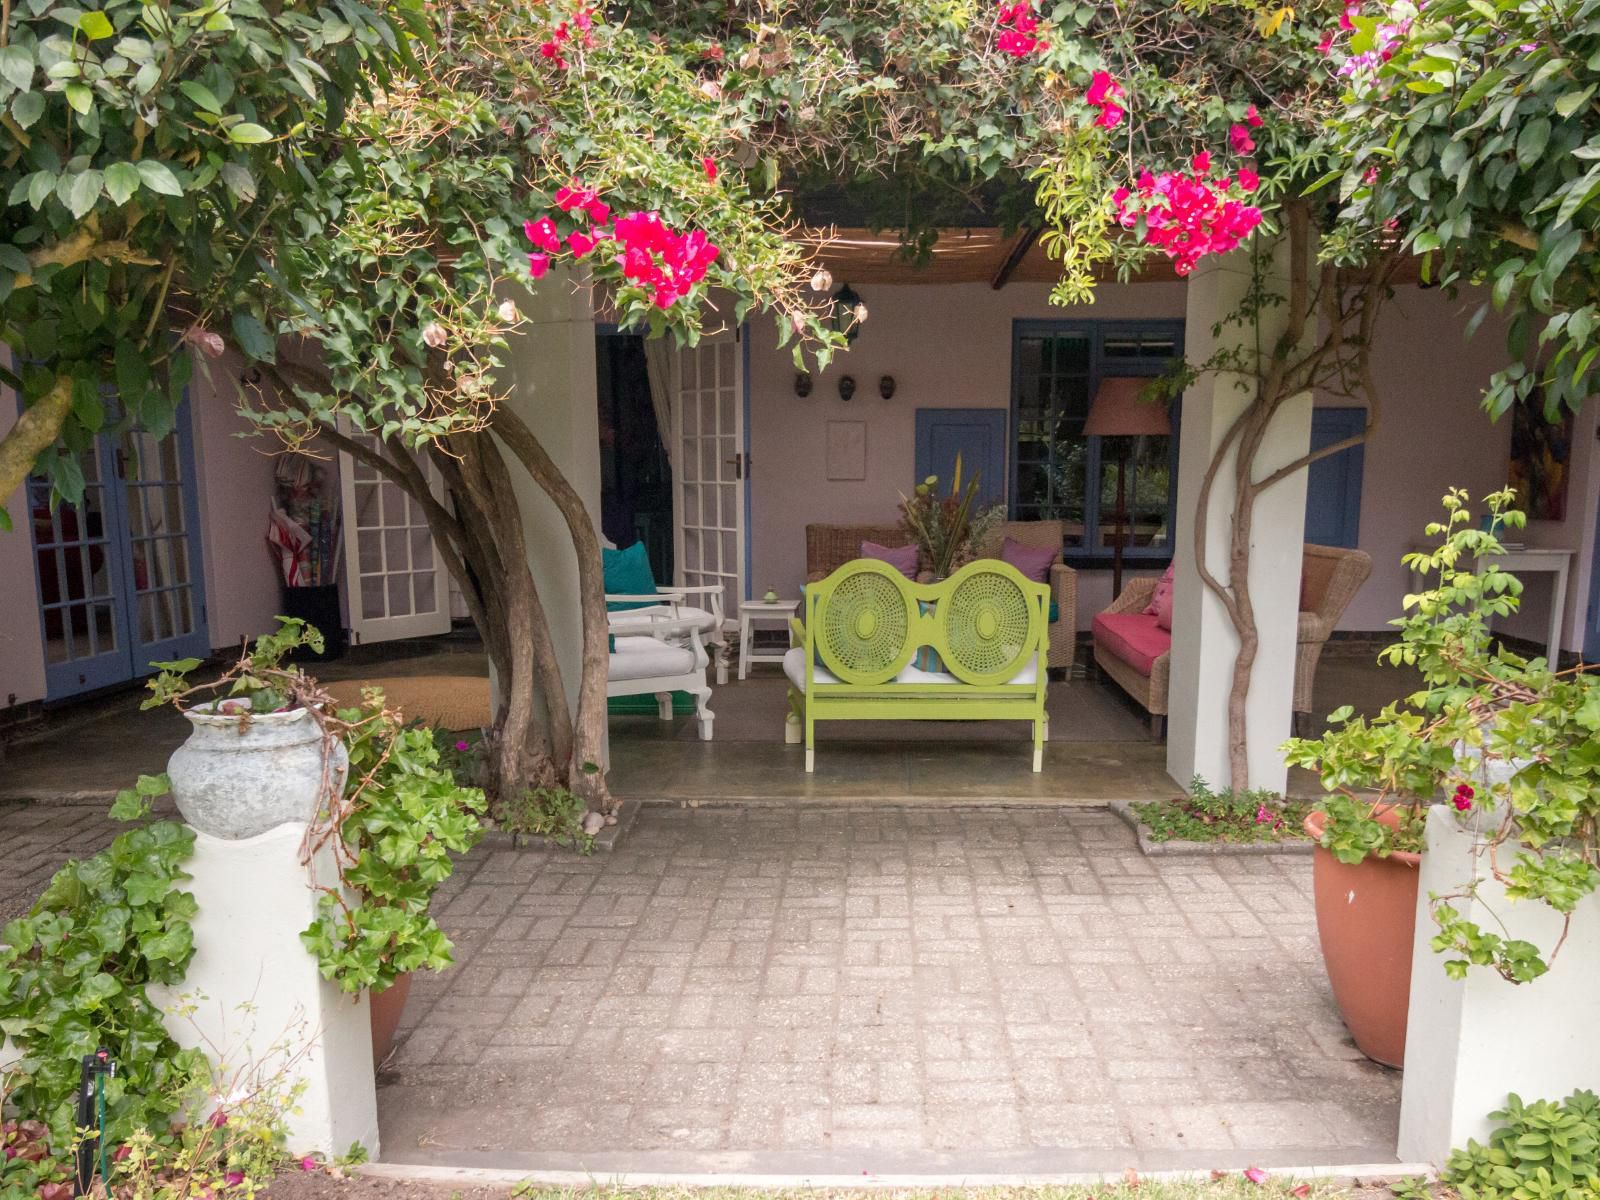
[146, 152]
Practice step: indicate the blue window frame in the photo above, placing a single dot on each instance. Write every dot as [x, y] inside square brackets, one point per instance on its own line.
[1057, 471]
[1333, 484]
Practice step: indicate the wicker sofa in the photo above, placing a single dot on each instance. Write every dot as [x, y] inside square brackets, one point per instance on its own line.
[829, 547]
[1133, 651]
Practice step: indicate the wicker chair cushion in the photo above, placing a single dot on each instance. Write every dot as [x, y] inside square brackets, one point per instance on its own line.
[1163, 590]
[1134, 638]
[1033, 561]
[901, 558]
[794, 666]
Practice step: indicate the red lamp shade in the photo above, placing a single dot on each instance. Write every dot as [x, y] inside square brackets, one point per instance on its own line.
[1117, 411]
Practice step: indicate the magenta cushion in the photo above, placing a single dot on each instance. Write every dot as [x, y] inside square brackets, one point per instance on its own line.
[1164, 607]
[901, 558]
[1033, 561]
[1163, 588]
[1135, 638]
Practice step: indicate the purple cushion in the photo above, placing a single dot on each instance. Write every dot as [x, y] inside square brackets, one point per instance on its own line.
[1132, 637]
[901, 558]
[1033, 561]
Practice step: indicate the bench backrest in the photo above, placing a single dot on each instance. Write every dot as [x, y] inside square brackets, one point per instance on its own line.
[866, 621]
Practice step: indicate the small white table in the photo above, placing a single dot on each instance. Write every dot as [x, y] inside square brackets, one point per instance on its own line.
[752, 613]
[1530, 560]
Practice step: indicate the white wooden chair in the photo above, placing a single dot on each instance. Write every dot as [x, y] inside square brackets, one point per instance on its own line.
[673, 604]
[658, 656]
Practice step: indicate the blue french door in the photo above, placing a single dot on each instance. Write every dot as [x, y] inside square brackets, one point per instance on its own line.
[119, 574]
[978, 435]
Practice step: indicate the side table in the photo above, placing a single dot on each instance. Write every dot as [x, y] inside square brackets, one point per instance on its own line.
[752, 613]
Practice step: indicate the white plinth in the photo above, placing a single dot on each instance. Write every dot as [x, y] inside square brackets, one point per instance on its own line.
[1470, 1043]
[258, 1001]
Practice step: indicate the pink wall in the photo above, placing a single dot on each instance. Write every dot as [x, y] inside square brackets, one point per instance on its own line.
[235, 487]
[950, 346]
[947, 346]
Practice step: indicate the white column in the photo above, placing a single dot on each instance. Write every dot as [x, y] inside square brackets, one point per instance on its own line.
[1203, 640]
[1469, 1043]
[555, 391]
[254, 1000]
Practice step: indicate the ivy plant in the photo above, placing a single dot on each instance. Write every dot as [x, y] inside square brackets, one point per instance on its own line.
[73, 974]
[1508, 742]
[401, 818]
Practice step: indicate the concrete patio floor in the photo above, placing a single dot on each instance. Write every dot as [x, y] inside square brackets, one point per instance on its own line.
[843, 990]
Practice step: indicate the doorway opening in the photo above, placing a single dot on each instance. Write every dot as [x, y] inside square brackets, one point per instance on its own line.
[635, 473]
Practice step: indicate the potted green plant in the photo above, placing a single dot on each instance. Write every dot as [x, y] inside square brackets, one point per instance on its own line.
[261, 751]
[401, 817]
[946, 528]
[1507, 742]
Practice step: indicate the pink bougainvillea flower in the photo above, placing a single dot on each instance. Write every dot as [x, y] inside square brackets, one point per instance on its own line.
[1252, 118]
[542, 233]
[1017, 44]
[1249, 181]
[574, 197]
[233, 1178]
[1239, 139]
[308, 1163]
[1186, 215]
[580, 242]
[1325, 46]
[599, 211]
[1255, 1174]
[1102, 88]
[709, 165]
[463, 746]
[1110, 114]
[1201, 162]
[538, 265]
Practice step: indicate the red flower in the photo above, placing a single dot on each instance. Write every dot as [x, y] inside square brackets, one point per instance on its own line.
[217, 1119]
[1239, 139]
[569, 198]
[1252, 118]
[580, 242]
[599, 211]
[1249, 181]
[1102, 88]
[1110, 114]
[1463, 797]
[542, 233]
[710, 167]
[538, 265]
[1202, 162]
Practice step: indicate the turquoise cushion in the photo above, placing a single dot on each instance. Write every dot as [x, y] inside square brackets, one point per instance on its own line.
[1055, 611]
[627, 573]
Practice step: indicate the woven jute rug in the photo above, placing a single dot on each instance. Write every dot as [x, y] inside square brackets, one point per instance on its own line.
[443, 701]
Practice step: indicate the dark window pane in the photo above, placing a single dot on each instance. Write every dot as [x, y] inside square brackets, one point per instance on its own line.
[1072, 354]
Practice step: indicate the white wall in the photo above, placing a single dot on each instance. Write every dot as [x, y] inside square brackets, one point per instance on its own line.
[21, 634]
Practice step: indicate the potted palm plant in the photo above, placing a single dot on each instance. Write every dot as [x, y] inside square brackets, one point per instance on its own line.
[1508, 743]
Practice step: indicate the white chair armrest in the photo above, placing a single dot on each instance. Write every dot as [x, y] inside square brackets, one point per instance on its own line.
[657, 598]
[683, 630]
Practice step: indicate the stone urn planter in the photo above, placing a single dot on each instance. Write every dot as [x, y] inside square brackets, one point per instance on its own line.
[1366, 922]
[241, 774]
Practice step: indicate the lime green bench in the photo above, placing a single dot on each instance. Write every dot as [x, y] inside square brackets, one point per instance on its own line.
[856, 652]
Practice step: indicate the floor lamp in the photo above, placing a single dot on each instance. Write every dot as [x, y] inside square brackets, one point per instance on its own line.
[1118, 413]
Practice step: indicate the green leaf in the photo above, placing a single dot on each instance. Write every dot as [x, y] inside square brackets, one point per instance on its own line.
[16, 67]
[253, 337]
[201, 95]
[96, 25]
[158, 177]
[1535, 136]
[27, 108]
[239, 180]
[83, 192]
[87, 405]
[80, 97]
[1572, 101]
[122, 181]
[247, 133]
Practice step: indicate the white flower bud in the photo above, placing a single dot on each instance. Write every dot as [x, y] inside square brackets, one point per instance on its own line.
[861, 314]
[433, 334]
[822, 281]
[507, 311]
[204, 340]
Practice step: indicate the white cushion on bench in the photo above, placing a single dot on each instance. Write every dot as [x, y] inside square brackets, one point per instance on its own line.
[646, 658]
[638, 620]
[794, 666]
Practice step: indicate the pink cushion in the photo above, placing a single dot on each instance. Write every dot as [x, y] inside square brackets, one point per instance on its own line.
[1164, 607]
[901, 558]
[1132, 637]
[1163, 587]
[1033, 561]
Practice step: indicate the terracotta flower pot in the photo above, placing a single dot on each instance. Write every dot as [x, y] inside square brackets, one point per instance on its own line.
[387, 1008]
[1366, 921]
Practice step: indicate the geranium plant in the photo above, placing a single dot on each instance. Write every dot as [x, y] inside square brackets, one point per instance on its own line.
[1509, 743]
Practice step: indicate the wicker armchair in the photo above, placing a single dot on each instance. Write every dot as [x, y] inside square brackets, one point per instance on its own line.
[1330, 577]
[829, 547]
[1063, 582]
[1150, 691]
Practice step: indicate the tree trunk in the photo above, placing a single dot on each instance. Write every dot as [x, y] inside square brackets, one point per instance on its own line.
[35, 432]
[588, 750]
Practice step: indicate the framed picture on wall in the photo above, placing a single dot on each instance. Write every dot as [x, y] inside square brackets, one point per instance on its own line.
[1541, 450]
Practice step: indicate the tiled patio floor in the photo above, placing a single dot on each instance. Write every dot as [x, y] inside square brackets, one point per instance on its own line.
[884, 989]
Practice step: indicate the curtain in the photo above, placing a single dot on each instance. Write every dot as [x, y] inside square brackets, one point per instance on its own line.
[658, 366]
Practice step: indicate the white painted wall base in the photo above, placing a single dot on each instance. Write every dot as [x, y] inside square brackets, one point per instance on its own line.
[1470, 1043]
[259, 1005]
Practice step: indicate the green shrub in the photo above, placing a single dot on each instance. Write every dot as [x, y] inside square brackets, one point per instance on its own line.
[1227, 816]
[553, 812]
[1541, 1151]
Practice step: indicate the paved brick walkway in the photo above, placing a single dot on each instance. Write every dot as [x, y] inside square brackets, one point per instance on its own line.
[881, 989]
